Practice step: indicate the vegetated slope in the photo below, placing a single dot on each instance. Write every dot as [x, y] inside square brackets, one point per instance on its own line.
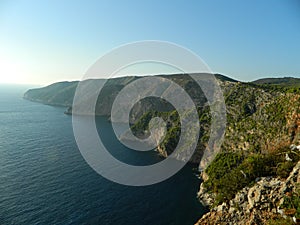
[263, 120]
[270, 201]
[63, 93]
[262, 124]
[259, 120]
[283, 82]
[60, 94]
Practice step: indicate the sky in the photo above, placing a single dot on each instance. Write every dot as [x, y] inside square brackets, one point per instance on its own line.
[42, 42]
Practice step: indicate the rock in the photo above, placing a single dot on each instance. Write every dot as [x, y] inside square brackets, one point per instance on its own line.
[221, 208]
[287, 158]
[254, 205]
[292, 180]
[204, 197]
[254, 196]
[204, 176]
[295, 147]
[232, 210]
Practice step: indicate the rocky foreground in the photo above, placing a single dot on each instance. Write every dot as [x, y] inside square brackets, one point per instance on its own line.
[268, 201]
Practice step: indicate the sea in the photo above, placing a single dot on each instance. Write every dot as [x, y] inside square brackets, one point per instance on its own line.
[45, 180]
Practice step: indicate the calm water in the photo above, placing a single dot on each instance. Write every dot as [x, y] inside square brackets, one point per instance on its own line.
[44, 179]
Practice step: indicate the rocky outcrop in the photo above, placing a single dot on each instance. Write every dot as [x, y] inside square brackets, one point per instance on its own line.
[205, 197]
[254, 205]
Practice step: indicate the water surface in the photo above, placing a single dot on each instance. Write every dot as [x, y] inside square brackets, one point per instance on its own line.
[45, 180]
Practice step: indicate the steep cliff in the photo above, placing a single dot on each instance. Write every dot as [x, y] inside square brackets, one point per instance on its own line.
[263, 121]
[259, 120]
[62, 94]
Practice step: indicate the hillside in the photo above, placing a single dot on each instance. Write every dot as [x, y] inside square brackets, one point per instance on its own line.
[282, 82]
[62, 94]
[270, 201]
[259, 118]
[263, 121]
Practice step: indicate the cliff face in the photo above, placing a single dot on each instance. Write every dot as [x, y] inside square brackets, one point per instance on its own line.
[259, 118]
[268, 201]
[263, 121]
[262, 124]
[63, 94]
[60, 94]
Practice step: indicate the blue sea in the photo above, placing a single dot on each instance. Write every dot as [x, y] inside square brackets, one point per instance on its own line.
[45, 180]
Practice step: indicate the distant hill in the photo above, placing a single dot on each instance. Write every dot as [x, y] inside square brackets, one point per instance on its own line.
[224, 78]
[62, 93]
[284, 81]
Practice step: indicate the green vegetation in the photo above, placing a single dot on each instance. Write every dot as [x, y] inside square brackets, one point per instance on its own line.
[280, 221]
[281, 87]
[291, 207]
[292, 204]
[232, 171]
[262, 121]
[283, 82]
[61, 93]
[257, 138]
[141, 127]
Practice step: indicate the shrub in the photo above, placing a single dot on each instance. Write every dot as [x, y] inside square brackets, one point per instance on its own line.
[292, 203]
[222, 164]
[231, 172]
[284, 169]
[280, 221]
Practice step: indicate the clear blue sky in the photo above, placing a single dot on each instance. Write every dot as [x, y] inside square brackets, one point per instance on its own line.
[46, 41]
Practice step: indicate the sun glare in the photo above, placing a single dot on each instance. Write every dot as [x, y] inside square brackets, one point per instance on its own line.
[11, 72]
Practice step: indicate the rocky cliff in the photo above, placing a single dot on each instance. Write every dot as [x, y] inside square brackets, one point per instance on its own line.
[269, 201]
[260, 119]
[62, 94]
[263, 121]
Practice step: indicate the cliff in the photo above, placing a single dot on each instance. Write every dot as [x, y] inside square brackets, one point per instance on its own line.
[62, 94]
[260, 117]
[269, 201]
[263, 121]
